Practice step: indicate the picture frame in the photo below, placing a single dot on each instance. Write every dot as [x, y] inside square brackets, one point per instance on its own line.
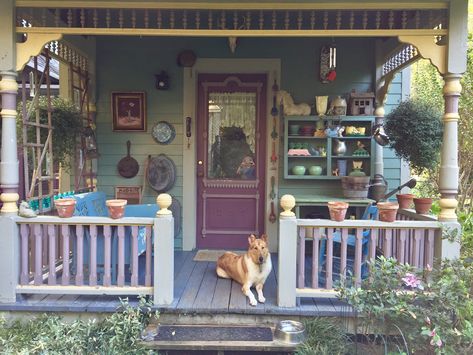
[129, 111]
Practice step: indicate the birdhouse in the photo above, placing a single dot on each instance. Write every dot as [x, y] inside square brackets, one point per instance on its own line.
[361, 103]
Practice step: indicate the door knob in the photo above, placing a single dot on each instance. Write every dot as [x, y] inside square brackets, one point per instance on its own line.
[200, 168]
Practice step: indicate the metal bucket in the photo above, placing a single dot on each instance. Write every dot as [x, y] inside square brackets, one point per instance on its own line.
[355, 186]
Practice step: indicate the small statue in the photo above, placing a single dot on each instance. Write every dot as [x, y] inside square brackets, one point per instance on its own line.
[247, 170]
[26, 211]
[335, 131]
[335, 172]
[290, 108]
[361, 151]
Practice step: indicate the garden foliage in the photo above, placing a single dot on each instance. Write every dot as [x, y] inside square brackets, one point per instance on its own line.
[118, 333]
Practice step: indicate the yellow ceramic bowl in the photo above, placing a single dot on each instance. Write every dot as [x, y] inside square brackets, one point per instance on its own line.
[361, 130]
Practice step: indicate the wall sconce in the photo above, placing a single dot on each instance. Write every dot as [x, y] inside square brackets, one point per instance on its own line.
[162, 81]
[328, 63]
[89, 143]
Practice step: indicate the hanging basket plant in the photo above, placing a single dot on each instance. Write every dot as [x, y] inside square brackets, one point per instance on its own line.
[67, 124]
[415, 133]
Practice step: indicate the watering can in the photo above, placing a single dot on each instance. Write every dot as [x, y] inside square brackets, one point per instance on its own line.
[378, 187]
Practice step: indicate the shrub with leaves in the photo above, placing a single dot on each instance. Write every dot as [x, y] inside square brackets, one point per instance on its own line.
[67, 124]
[323, 337]
[415, 132]
[50, 334]
[431, 311]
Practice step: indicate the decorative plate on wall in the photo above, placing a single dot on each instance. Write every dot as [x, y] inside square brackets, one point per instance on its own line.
[161, 173]
[163, 132]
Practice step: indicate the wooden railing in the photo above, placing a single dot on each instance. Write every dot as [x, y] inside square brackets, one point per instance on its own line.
[316, 254]
[100, 256]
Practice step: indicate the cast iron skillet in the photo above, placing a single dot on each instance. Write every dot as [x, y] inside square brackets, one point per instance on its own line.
[128, 166]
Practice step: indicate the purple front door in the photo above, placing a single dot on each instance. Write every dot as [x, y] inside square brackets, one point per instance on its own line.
[230, 159]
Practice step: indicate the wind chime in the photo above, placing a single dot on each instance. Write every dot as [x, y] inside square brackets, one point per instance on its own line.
[274, 156]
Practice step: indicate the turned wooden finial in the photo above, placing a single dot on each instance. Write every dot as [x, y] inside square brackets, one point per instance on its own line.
[164, 201]
[287, 203]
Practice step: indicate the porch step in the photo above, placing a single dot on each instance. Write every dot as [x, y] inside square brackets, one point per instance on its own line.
[213, 338]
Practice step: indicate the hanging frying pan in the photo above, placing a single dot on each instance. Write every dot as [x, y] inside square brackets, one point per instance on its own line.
[161, 173]
[128, 167]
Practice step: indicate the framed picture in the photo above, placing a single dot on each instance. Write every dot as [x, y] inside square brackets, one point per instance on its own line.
[129, 111]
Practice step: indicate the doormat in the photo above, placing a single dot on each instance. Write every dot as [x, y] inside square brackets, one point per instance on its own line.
[213, 255]
[205, 333]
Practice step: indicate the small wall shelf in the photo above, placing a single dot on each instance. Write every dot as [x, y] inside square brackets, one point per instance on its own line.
[328, 162]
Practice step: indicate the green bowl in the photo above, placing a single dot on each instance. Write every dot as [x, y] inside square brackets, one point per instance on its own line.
[298, 170]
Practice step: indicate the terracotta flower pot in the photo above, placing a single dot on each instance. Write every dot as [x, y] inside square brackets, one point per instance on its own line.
[387, 211]
[337, 210]
[405, 200]
[422, 205]
[65, 207]
[116, 208]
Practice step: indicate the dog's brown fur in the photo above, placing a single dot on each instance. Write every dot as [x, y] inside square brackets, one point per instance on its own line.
[250, 269]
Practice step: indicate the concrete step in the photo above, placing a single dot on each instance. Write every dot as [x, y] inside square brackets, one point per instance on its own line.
[235, 338]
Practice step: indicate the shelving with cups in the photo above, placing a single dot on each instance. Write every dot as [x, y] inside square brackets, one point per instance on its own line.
[328, 147]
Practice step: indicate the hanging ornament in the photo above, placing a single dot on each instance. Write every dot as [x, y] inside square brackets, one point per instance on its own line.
[328, 63]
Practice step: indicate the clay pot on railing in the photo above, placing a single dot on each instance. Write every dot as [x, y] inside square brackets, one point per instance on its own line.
[337, 210]
[405, 200]
[387, 211]
[422, 204]
[116, 208]
[65, 207]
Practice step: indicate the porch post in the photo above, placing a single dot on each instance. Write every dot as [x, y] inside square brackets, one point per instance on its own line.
[448, 182]
[9, 175]
[378, 160]
[163, 251]
[287, 254]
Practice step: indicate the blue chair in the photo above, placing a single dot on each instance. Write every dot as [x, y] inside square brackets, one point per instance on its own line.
[370, 213]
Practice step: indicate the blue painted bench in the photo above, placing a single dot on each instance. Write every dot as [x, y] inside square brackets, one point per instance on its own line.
[92, 204]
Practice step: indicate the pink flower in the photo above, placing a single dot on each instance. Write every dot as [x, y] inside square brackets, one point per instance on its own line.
[411, 280]
[427, 320]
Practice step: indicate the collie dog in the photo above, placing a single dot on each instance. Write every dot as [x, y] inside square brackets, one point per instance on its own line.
[249, 269]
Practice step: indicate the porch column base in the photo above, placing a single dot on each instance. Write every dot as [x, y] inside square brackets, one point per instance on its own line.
[9, 203]
[447, 209]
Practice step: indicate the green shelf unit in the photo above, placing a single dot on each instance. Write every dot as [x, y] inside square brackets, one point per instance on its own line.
[328, 162]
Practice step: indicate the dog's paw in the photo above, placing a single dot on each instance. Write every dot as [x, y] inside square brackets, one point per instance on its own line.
[261, 299]
[253, 301]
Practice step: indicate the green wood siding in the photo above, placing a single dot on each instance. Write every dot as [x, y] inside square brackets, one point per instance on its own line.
[129, 64]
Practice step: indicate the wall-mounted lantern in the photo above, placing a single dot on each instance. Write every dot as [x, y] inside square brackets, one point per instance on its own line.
[162, 81]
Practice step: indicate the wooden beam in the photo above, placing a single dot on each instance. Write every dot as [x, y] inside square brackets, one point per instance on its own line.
[84, 290]
[237, 5]
[229, 33]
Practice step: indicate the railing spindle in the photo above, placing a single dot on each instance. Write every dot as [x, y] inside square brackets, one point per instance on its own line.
[52, 254]
[24, 275]
[343, 254]
[329, 258]
[402, 246]
[121, 256]
[416, 247]
[148, 256]
[80, 255]
[107, 278]
[372, 244]
[429, 248]
[358, 254]
[93, 255]
[387, 247]
[38, 265]
[134, 256]
[301, 259]
[315, 258]
[66, 250]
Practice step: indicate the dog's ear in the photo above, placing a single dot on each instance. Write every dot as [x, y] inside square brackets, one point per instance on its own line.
[264, 238]
[251, 239]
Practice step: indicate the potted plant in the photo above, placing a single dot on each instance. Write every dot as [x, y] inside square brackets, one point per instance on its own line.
[337, 210]
[387, 211]
[116, 208]
[65, 207]
[405, 200]
[415, 133]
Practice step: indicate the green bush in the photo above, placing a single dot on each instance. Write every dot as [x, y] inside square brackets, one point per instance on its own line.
[415, 132]
[67, 124]
[324, 338]
[430, 312]
[50, 334]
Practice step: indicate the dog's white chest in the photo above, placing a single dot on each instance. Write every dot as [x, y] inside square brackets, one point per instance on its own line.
[259, 273]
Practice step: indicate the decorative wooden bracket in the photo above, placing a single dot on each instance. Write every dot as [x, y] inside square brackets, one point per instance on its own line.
[382, 88]
[32, 47]
[428, 49]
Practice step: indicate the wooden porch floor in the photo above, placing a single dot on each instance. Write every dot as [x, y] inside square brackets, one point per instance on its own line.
[197, 291]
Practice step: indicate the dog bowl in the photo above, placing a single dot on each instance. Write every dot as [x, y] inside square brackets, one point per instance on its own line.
[290, 332]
